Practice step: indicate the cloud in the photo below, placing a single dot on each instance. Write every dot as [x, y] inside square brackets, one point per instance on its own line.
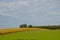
[35, 12]
[29, 6]
[15, 4]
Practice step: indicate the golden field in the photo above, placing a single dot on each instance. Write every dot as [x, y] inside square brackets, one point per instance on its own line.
[29, 34]
[13, 30]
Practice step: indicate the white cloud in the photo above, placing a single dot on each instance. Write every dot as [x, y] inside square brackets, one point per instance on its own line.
[14, 4]
[53, 12]
[32, 6]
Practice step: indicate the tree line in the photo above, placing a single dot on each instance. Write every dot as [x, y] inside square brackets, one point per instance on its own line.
[54, 27]
[25, 26]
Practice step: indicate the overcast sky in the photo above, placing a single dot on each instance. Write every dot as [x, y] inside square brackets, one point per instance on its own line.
[35, 12]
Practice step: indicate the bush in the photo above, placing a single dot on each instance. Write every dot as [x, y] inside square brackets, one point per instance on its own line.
[23, 26]
[30, 26]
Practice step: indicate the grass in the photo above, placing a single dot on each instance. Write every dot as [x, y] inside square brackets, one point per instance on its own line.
[33, 35]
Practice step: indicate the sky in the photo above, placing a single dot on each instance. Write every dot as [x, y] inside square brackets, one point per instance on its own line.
[34, 12]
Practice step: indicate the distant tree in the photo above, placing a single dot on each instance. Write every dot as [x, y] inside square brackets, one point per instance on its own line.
[23, 26]
[30, 26]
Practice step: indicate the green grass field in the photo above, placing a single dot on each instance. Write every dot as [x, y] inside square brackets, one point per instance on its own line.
[33, 35]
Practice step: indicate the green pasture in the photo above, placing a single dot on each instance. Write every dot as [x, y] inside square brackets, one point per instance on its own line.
[33, 35]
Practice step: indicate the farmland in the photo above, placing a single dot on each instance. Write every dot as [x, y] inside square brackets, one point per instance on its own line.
[14, 30]
[31, 34]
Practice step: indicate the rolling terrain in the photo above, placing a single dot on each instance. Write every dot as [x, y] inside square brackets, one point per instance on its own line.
[29, 34]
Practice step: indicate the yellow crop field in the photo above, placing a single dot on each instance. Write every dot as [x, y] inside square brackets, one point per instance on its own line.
[13, 30]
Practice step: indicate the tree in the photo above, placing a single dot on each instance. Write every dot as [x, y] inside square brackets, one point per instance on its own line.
[23, 26]
[30, 26]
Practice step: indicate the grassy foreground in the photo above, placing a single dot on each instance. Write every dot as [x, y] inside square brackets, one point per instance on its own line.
[33, 35]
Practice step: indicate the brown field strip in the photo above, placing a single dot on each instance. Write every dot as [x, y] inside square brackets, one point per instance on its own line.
[13, 30]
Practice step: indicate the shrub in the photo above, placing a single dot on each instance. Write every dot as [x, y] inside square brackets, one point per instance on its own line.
[23, 26]
[30, 26]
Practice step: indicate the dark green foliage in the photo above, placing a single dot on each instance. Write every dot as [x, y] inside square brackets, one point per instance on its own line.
[23, 26]
[30, 26]
[54, 27]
